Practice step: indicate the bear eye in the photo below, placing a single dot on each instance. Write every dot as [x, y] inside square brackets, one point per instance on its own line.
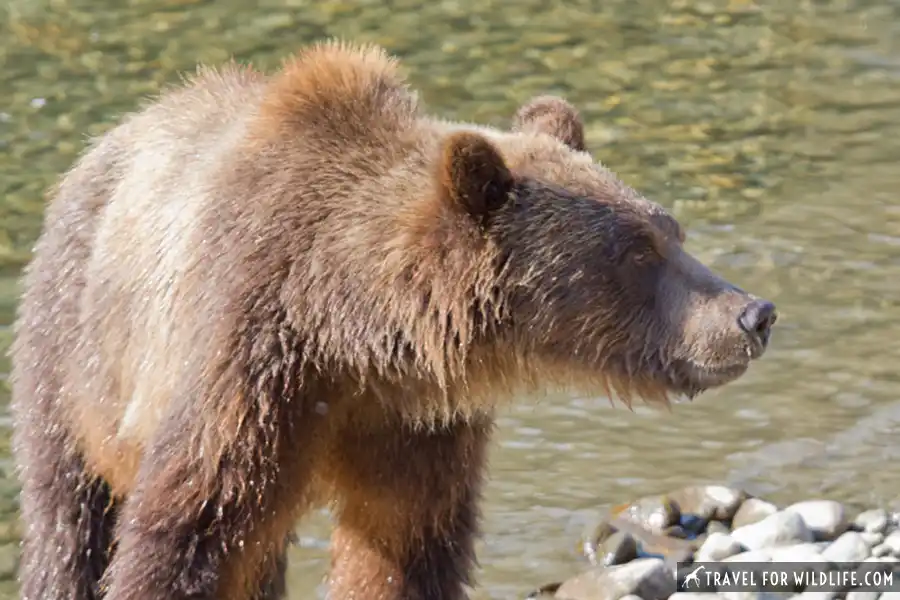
[644, 256]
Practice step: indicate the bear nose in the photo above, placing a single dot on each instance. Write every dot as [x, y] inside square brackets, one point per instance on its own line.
[757, 319]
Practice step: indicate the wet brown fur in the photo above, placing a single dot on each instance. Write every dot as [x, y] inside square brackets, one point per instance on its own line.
[263, 294]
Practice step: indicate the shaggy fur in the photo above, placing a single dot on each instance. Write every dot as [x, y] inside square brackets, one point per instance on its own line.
[262, 294]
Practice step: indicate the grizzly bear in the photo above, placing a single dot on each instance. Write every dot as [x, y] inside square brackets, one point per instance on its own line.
[262, 294]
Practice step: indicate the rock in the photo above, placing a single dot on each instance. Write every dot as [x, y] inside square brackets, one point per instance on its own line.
[747, 595]
[806, 552]
[883, 559]
[827, 519]
[648, 578]
[653, 545]
[861, 595]
[717, 527]
[709, 501]
[544, 592]
[631, 597]
[752, 511]
[815, 595]
[872, 538]
[692, 524]
[594, 539]
[677, 531]
[850, 547]
[893, 542]
[654, 513]
[761, 555]
[717, 546]
[780, 529]
[881, 550]
[618, 548]
[872, 521]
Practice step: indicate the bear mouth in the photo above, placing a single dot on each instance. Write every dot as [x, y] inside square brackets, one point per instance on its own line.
[692, 379]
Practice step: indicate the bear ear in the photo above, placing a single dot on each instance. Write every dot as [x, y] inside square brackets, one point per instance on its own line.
[474, 175]
[553, 116]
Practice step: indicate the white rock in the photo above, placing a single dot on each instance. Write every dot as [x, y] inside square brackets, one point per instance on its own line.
[883, 559]
[815, 595]
[860, 595]
[850, 547]
[881, 550]
[751, 511]
[784, 528]
[827, 519]
[761, 555]
[755, 595]
[718, 546]
[872, 538]
[648, 578]
[806, 552]
[728, 500]
[872, 521]
[893, 542]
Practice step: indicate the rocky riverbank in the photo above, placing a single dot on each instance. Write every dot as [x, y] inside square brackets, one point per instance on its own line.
[635, 550]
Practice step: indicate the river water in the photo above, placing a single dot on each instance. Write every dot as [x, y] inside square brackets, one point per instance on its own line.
[771, 130]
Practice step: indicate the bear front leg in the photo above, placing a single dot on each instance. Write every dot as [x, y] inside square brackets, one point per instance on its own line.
[212, 509]
[408, 512]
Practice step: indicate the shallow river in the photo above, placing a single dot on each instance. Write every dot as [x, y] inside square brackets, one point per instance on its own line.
[771, 129]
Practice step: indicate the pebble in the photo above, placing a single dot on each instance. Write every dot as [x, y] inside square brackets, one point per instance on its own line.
[762, 555]
[883, 559]
[617, 549]
[872, 521]
[648, 578]
[655, 513]
[827, 519]
[893, 542]
[692, 524]
[805, 552]
[717, 527]
[850, 547]
[861, 595]
[594, 539]
[754, 595]
[872, 538]
[718, 546]
[815, 595]
[545, 592]
[709, 501]
[780, 529]
[636, 549]
[752, 511]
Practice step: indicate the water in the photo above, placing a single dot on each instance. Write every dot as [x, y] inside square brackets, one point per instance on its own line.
[771, 129]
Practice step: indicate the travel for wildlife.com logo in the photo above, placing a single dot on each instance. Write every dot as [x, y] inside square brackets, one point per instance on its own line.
[788, 577]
